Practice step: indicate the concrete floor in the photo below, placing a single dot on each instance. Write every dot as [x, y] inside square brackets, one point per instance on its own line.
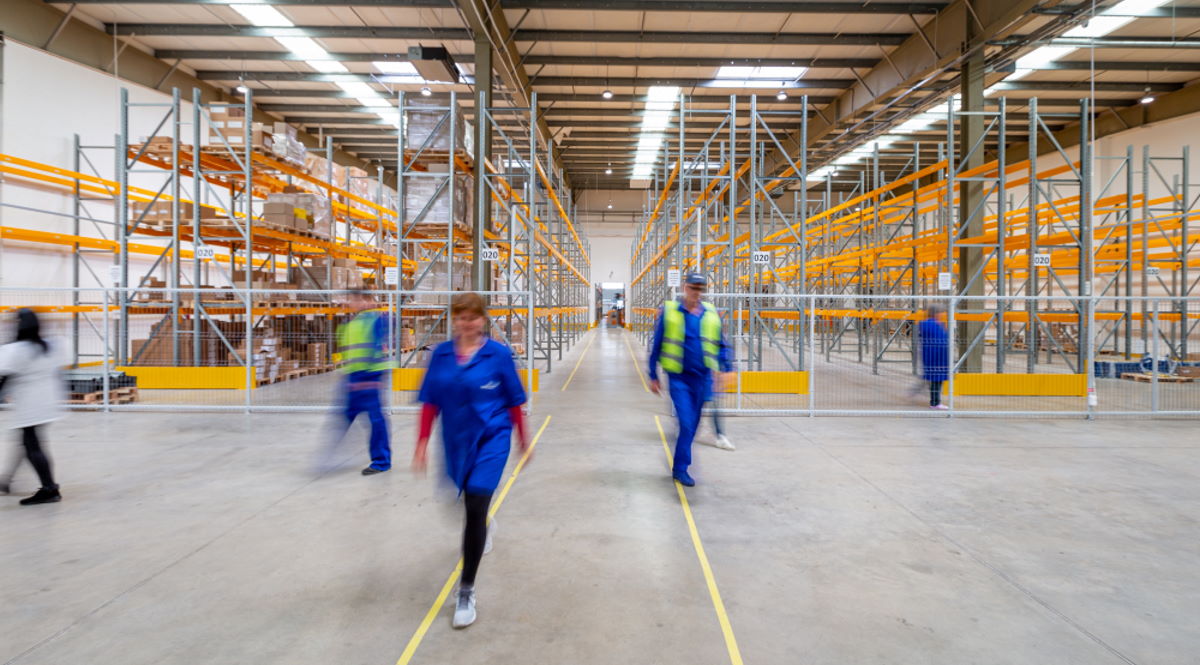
[202, 538]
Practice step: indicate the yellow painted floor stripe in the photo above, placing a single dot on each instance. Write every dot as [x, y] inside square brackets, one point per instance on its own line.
[579, 362]
[735, 655]
[637, 367]
[431, 615]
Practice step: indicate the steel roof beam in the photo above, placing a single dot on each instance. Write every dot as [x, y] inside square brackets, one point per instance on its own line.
[462, 34]
[890, 8]
[565, 81]
[586, 60]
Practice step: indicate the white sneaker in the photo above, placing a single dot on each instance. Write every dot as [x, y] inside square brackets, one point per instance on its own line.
[724, 443]
[464, 609]
[491, 528]
[940, 407]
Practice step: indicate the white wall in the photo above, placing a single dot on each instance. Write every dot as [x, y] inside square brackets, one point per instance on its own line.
[47, 100]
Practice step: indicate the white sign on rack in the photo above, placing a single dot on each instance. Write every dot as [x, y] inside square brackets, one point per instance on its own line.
[489, 254]
[1041, 260]
[391, 276]
[204, 252]
[1153, 271]
[673, 277]
[945, 281]
[762, 258]
[114, 275]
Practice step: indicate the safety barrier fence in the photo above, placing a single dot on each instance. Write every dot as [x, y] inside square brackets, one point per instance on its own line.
[1004, 356]
[250, 350]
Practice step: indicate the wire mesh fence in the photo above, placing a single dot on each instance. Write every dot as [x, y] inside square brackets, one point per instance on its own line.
[937, 355]
[243, 350]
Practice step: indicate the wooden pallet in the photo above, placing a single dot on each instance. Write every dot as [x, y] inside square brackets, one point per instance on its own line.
[1162, 378]
[115, 396]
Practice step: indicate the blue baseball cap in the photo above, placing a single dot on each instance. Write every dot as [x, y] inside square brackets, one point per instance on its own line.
[697, 278]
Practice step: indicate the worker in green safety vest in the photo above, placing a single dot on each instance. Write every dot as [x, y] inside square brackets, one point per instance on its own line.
[691, 349]
[363, 348]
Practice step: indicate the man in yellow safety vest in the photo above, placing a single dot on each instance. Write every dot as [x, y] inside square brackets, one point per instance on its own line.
[363, 348]
[691, 349]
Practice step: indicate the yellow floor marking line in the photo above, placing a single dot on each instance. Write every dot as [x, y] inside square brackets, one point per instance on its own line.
[735, 656]
[636, 366]
[579, 362]
[431, 615]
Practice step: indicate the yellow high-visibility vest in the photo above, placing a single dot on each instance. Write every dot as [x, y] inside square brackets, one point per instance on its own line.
[674, 333]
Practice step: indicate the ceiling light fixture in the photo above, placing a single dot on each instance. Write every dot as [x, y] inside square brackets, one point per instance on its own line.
[781, 95]
[1147, 97]
[242, 89]
[425, 92]
[607, 94]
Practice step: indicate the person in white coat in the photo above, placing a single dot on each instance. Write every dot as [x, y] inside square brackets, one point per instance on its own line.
[30, 370]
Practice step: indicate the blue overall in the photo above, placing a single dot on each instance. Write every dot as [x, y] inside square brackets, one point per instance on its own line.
[692, 387]
[367, 400]
[474, 400]
[935, 350]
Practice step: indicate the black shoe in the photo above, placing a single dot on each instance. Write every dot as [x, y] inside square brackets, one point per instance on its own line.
[5, 487]
[43, 496]
[370, 471]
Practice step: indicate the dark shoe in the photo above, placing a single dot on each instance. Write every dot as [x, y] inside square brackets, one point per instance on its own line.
[42, 496]
[370, 471]
[684, 479]
[5, 487]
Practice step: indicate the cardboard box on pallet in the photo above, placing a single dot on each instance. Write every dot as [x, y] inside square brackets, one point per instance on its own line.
[317, 354]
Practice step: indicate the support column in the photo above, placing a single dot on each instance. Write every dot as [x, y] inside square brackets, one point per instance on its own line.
[481, 276]
[971, 209]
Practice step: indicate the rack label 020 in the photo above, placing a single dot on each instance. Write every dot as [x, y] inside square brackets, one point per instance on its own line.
[489, 254]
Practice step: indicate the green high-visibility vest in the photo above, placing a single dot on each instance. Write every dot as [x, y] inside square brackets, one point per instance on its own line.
[671, 357]
[357, 345]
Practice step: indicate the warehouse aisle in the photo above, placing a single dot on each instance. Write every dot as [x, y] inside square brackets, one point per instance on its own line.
[190, 538]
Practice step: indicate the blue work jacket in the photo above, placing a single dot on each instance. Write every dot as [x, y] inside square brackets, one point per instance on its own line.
[935, 350]
[474, 400]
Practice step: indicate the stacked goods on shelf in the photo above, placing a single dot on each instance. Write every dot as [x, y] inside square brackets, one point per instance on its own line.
[359, 183]
[158, 349]
[286, 147]
[440, 277]
[431, 195]
[228, 126]
[298, 212]
[326, 273]
[158, 214]
[431, 129]
[512, 328]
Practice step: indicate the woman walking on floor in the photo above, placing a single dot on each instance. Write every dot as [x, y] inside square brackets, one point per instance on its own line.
[472, 382]
[29, 372]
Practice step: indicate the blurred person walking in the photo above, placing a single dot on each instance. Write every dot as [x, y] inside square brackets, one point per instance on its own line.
[689, 345]
[472, 383]
[935, 354]
[362, 345]
[30, 373]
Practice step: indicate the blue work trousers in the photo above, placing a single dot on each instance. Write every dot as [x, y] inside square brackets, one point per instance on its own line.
[367, 400]
[688, 392]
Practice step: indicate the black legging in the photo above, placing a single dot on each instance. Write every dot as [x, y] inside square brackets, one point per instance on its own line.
[935, 393]
[474, 534]
[37, 457]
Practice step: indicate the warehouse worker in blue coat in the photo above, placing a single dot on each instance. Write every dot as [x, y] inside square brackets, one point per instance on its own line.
[472, 383]
[362, 345]
[691, 349]
[935, 354]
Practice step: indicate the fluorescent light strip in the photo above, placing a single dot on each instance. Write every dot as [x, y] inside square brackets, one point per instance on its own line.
[1114, 18]
[318, 58]
[660, 102]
